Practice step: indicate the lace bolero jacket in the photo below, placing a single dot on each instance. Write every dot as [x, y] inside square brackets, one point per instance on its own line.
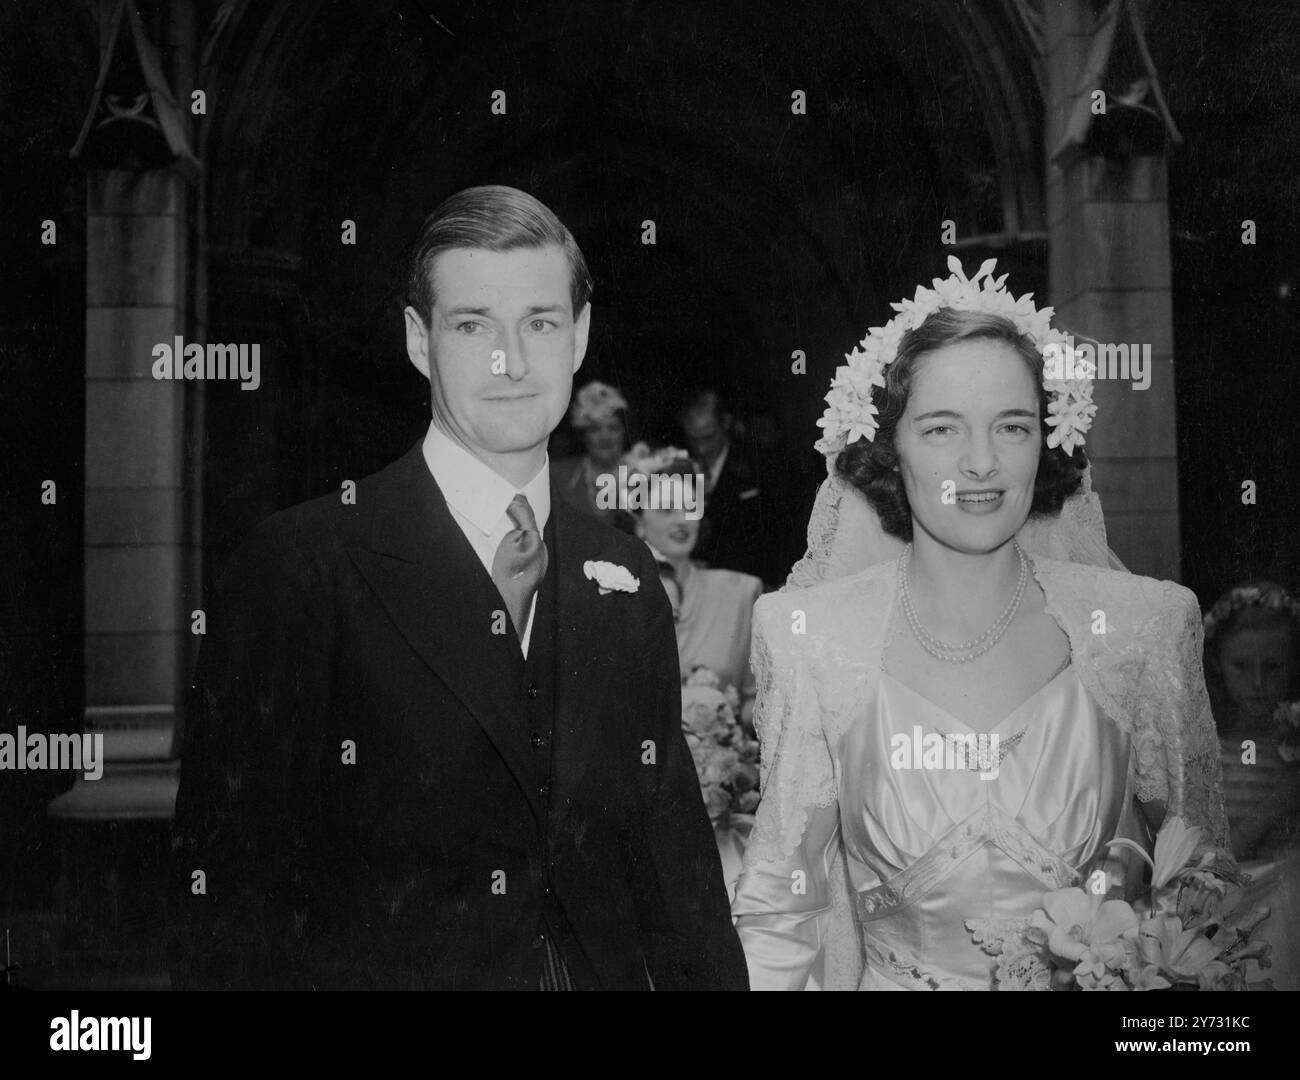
[1135, 643]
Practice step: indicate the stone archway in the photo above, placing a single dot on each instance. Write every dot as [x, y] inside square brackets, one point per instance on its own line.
[225, 253]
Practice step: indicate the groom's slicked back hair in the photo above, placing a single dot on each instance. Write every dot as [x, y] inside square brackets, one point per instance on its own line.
[490, 218]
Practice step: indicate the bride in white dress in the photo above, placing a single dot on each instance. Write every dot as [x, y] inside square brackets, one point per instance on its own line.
[1000, 626]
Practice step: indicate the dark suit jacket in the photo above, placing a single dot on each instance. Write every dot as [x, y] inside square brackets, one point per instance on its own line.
[736, 531]
[361, 788]
[569, 480]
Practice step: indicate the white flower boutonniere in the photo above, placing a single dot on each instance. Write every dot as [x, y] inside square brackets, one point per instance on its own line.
[610, 577]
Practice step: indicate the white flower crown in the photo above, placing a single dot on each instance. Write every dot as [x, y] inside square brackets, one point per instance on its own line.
[850, 414]
[647, 462]
[594, 403]
[1268, 595]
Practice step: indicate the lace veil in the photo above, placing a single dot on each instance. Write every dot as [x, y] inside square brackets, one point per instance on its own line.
[845, 535]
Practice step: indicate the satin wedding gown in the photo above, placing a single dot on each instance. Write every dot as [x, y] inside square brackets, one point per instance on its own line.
[863, 874]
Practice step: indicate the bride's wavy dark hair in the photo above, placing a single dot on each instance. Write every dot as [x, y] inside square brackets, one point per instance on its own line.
[871, 466]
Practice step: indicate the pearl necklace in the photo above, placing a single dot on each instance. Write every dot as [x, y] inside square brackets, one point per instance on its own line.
[969, 650]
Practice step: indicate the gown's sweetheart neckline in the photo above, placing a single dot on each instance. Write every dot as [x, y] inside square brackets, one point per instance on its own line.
[1067, 667]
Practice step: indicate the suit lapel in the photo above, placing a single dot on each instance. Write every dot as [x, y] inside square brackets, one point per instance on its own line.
[431, 583]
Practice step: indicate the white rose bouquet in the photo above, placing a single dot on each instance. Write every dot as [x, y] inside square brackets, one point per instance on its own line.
[726, 756]
[726, 761]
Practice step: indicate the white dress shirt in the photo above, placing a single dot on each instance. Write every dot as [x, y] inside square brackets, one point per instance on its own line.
[478, 498]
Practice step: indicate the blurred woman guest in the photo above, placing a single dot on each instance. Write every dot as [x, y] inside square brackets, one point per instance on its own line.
[599, 415]
[1251, 635]
[712, 607]
[875, 864]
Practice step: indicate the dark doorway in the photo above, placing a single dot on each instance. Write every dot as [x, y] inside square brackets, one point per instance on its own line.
[780, 224]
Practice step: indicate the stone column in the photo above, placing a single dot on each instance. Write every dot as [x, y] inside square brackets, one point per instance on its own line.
[144, 287]
[1109, 280]
[140, 549]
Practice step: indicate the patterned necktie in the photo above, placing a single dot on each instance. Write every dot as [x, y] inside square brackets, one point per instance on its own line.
[518, 568]
[520, 563]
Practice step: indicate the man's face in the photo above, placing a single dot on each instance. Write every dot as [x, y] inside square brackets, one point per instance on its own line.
[501, 347]
[706, 434]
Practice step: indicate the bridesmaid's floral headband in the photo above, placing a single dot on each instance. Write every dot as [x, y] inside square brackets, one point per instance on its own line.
[850, 415]
[653, 479]
[1264, 595]
[648, 462]
[594, 403]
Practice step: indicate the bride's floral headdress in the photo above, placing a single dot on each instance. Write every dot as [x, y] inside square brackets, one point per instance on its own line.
[850, 414]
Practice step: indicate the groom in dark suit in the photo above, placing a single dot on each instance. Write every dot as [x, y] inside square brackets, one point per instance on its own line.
[435, 739]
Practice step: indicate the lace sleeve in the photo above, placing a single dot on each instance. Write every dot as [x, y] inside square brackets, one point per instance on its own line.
[1177, 748]
[795, 764]
[783, 899]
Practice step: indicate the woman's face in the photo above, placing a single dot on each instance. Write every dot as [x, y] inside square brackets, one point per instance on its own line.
[1256, 666]
[604, 441]
[968, 445]
[670, 532]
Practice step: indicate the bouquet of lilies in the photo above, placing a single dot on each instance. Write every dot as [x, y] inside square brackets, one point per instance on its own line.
[1189, 932]
[725, 755]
